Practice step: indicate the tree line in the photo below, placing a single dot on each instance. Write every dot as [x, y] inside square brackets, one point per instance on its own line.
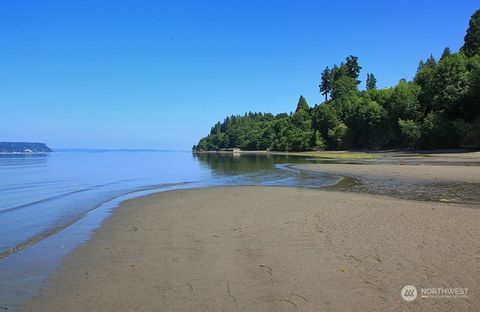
[439, 108]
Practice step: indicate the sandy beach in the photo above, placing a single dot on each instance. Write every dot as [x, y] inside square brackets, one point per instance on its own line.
[270, 249]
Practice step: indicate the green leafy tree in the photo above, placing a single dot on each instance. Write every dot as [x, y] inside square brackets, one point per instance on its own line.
[450, 83]
[364, 123]
[371, 82]
[404, 102]
[320, 144]
[411, 131]
[325, 117]
[281, 129]
[471, 44]
[437, 132]
[344, 87]
[424, 78]
[471, 104]
[338, 135]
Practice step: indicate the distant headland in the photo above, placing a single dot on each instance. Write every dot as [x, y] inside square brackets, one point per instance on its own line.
[24, 147]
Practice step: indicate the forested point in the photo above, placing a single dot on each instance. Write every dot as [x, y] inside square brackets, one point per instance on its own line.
[24, 147]
[439, 108]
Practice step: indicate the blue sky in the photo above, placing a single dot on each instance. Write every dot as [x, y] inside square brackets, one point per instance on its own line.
[158, 74]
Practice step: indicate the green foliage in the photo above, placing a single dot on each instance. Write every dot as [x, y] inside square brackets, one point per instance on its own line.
[371, 83]
[325, 117]
[365, 123]
[423, 78]
[446, 52]
[449, 83]
[326, 83]
[301, 133]
[258, 131]
[403, 103]
[437, 132]
[471, 44]
[320, 144]
[302, 104]
[471, 105]
[440, 108]
[338, 72]
[344, 87]
[338, 134]
[202, 145]
[352, 68]
[411, 131]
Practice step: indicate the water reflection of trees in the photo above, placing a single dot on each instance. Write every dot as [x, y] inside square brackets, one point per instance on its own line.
[234, 164]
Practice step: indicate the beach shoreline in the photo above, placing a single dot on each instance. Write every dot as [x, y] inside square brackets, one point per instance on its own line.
[268, 249]
[455, 153]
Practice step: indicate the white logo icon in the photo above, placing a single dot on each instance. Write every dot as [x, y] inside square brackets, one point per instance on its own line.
[409, 293]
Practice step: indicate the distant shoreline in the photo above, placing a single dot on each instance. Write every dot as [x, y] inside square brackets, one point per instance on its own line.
[24, 153]
[345, 153]
[24, 147]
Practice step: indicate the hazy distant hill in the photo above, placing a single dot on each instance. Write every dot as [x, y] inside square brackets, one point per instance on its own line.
[24, 147]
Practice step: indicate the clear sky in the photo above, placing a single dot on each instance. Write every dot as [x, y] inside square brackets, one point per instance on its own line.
[158, 74]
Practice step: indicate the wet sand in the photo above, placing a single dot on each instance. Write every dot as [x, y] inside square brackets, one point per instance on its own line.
[270, 249]
[420, 172]
[457, 182]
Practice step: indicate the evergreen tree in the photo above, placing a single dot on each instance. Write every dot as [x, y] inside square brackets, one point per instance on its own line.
[352, 67]
[471, 45]
[302, 104]
[371, 82]
[338, 72]
[421, 64]
[431, 61]
[446, 52]
[326, 83]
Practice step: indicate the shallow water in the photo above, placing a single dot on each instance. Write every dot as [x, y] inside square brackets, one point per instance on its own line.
[50, 203]
[41, 194]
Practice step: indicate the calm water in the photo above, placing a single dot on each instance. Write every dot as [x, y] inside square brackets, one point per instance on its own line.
[51, 203]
